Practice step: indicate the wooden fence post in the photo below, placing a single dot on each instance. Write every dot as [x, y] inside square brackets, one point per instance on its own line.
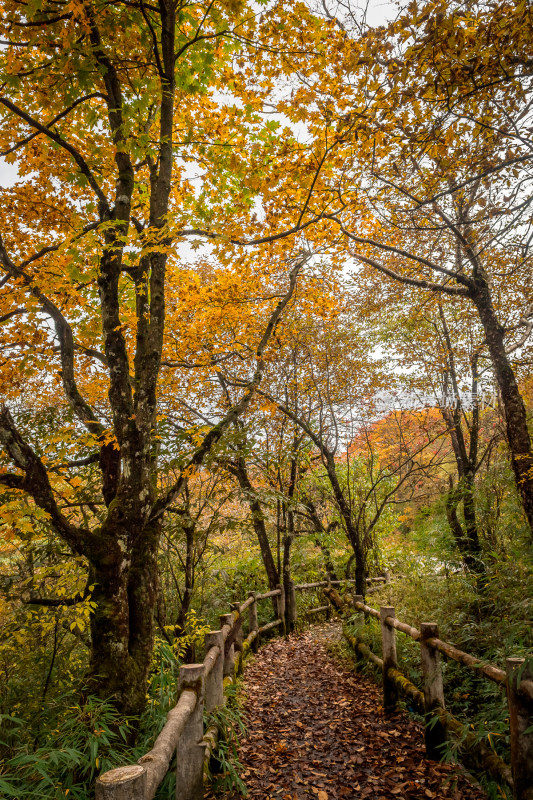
[520, 720]
[190, 749]
[435, 731]
[282, 608]
[214, 682]
[292, 615]
[123, 783]
[328, 588]
[252, 620]
[229, 650]
[390, 659]
[238, 636]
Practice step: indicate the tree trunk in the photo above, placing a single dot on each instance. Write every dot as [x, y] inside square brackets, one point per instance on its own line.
[512, 402]
[319, 528]
[258, 521]
[466, 539]
[351, 530]
[122, 626]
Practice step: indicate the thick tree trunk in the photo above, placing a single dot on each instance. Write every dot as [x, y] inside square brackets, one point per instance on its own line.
[122, 626]
[466, 489]
[512, 402]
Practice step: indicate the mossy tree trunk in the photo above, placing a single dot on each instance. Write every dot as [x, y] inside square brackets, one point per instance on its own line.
[122, 626]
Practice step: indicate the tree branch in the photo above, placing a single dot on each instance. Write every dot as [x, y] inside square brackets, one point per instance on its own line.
[35, 481]
[58, 139]
[66, 342]
[53, 121]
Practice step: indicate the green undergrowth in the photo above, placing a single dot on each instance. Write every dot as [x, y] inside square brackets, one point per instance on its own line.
[87, 737]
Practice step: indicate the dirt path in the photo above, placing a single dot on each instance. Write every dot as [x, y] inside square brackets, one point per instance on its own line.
[317, 730]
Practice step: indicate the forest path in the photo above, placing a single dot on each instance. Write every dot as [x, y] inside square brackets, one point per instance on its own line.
[317, 730]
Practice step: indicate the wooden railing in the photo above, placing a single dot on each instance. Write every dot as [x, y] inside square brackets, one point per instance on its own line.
[516, 680]
[201, 687]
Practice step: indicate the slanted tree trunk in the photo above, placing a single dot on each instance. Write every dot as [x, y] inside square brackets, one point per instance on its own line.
[513, 405]
[320, 530]
[239, 469]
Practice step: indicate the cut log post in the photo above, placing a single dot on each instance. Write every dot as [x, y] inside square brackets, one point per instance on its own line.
[238, 640]
[253, 624]
[238, 628]
[281, 607]
[292, 614]
[229, 649]
[390, 659]
[520, 722]
[435, 730]
[387, 576]
[190, 747]
[214, 682]
[123, 783]
[358, 598]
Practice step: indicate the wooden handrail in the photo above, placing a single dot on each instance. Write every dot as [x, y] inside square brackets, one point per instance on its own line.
[518, 686]
[316, 610]
[371, 612]
[489, 671]
[301, 586]
[403, 627]
[273, 593]
[157, 760]
[247, 604]
[270, 625]
[210, 659]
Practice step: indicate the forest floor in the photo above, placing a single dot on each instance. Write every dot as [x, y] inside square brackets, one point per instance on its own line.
[316, 729]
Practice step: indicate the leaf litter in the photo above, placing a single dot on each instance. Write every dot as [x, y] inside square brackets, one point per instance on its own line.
[317, 731]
